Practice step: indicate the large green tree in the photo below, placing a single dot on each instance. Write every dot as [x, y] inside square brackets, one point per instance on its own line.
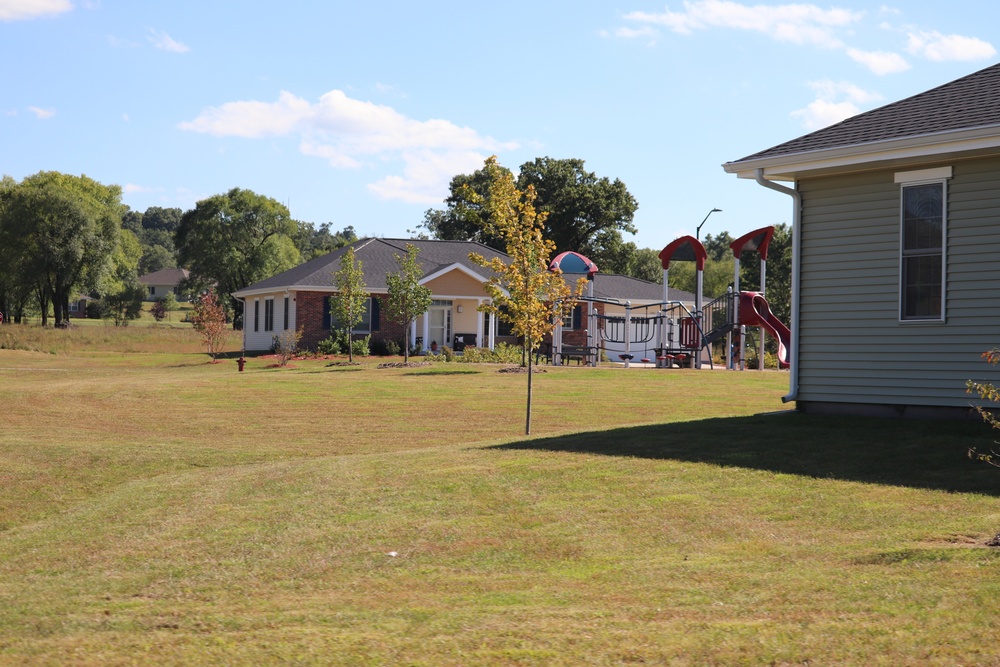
[583, 212]
[121, 292]
[313, 241]
[236, 239]
[155, 230]
[644, 264]
[466, 216]
[59, 232]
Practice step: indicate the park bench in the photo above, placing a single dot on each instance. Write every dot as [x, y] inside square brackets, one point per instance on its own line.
[583, 354]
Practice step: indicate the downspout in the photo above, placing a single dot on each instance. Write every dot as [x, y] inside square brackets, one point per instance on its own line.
[243, 333]
[793, 353]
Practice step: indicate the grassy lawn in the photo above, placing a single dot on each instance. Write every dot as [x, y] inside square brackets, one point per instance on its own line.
[155, 508]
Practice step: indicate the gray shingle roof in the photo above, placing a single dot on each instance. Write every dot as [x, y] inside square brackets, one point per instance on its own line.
[164, 277]
[378, 259]
[972, 101]
[613, 286]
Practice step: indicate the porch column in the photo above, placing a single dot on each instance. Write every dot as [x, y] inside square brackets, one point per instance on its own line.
[479, 323]
[413, 335]
[493, 331]
[427, 330]
[557, 342]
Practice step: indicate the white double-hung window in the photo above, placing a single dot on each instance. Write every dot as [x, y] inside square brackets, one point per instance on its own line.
[922, 246]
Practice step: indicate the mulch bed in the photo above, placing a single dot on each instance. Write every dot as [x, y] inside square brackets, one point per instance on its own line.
[995, 542]
[520, 369]
[401, 364]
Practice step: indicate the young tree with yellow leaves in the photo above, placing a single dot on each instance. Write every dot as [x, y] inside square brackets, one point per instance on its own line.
[524, 292]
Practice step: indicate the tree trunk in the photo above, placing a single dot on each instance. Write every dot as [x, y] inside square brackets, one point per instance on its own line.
[43, 305]
[527, 422]
[60, 304]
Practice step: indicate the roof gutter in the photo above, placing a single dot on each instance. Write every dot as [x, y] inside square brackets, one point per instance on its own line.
[793, 353]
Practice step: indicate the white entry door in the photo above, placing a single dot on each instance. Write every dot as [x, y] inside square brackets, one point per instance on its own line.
[439, 323]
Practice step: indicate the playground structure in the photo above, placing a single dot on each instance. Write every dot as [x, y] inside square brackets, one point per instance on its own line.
[676, 335]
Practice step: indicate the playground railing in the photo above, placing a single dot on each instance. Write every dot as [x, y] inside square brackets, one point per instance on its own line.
[718, 316]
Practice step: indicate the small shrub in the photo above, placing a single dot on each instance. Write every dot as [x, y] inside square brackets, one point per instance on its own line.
[209, 319]
[501, 354]
[447, 353]
[158, 310]
[378, 347]
[335, 344]
[286, 344]
[393, 348]
[169, 302]
[362, 346]
[94, 309]
[328, 346]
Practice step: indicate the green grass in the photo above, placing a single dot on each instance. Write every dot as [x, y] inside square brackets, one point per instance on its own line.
[155, 508]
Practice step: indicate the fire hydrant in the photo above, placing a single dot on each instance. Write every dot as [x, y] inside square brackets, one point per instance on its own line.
[241, 361]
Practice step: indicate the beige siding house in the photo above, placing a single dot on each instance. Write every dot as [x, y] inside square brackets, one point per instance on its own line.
[299, 298]
[159, 283]
[896, 283]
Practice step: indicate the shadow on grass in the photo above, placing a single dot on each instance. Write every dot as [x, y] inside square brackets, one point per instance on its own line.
[920, 454]
[469, 371]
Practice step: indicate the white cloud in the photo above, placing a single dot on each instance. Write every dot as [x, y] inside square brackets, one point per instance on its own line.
[165, 42]
[823, 113]
[426, 175]
[835, 101]
[253, 120]
[42, 113]
[940, 48]
[350, 133]
[796, 23]
[17, 10]
[879, 62]
[132, 188]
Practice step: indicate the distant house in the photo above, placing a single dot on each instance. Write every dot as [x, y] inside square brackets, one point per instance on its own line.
[78, 306]
[300, 297]
[895, 271]
[158, 283]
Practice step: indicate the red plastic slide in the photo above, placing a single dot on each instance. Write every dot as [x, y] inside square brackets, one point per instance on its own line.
[754, 312]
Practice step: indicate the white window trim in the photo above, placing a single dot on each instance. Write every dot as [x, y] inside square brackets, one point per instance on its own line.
[905, 179]
[269, 307]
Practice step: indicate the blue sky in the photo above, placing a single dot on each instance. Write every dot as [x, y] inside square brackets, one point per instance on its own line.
[360, 113]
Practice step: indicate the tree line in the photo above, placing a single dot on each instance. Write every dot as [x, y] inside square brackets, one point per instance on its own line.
[61, 235]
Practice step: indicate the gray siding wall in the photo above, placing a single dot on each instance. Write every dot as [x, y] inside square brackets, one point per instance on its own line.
[853, 349]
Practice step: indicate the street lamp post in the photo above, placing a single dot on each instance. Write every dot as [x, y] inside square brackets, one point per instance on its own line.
[697, 231]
